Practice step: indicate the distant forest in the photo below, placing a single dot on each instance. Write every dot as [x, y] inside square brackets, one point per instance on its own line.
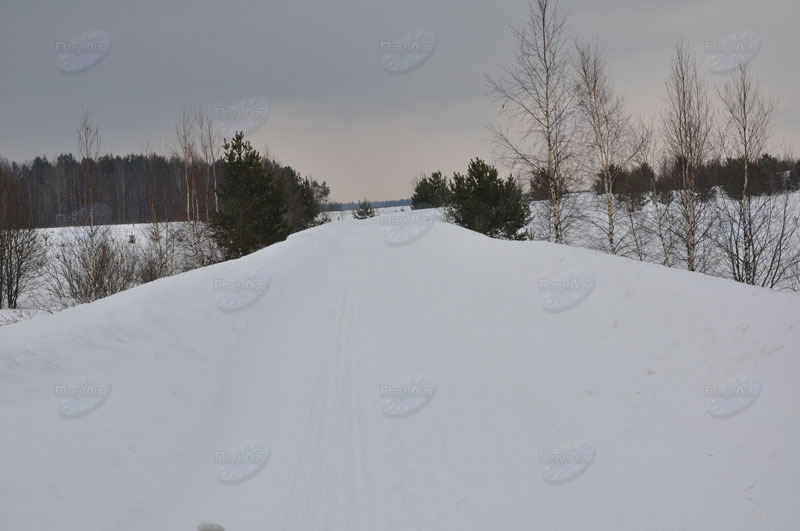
[130, 187]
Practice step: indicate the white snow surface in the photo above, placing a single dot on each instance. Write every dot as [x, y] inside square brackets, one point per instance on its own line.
[300, 372]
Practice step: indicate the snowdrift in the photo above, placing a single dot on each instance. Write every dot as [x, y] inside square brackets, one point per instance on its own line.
[384, 375]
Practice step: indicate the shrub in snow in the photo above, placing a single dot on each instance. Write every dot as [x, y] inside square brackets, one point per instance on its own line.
[364, 210]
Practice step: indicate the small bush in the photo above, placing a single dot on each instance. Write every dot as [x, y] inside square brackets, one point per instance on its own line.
[364, 210]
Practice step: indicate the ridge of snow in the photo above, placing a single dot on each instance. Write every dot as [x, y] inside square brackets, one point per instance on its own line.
[627, 370]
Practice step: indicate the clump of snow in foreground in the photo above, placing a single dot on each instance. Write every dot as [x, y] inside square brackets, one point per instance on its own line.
[660, 400]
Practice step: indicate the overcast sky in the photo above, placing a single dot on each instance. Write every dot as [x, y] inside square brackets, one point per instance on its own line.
[335, 113]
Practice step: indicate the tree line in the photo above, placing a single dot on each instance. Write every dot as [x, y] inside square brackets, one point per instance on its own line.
[692, 186]
[191, 203]
[60, 191]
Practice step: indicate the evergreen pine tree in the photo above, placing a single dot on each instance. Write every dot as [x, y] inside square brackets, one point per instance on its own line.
[303, 204]
[430, 192]
[483, 202]
[364, 210]
[253, 202]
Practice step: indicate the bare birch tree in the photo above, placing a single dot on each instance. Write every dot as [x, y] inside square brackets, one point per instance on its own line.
[535, 95]
[158, 259]
[661, 201]
[185, 144]
[610, 136]
[88, 147]
[687, 125]
[759, 235]
[210, 145]
[90, 263]
[747, 123]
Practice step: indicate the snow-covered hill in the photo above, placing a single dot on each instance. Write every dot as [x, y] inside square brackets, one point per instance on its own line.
[276, 392]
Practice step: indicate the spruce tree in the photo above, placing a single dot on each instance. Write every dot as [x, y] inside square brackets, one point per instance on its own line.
[253, 202]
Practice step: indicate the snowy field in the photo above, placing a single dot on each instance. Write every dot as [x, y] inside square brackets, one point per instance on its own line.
[363, 377]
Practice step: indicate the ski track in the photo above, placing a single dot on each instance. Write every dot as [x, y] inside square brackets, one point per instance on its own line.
[375, 473]
[332, 488]
[467, 460]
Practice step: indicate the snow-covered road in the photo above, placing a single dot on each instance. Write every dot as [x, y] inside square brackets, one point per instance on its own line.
[306, 368]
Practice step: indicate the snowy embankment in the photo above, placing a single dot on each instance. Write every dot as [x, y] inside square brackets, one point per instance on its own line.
[37, 300]
[299, 349]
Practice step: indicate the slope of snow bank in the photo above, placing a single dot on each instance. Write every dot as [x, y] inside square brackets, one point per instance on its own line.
[304, 373]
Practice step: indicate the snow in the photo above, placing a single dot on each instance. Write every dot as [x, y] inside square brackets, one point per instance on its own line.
[598, 416]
